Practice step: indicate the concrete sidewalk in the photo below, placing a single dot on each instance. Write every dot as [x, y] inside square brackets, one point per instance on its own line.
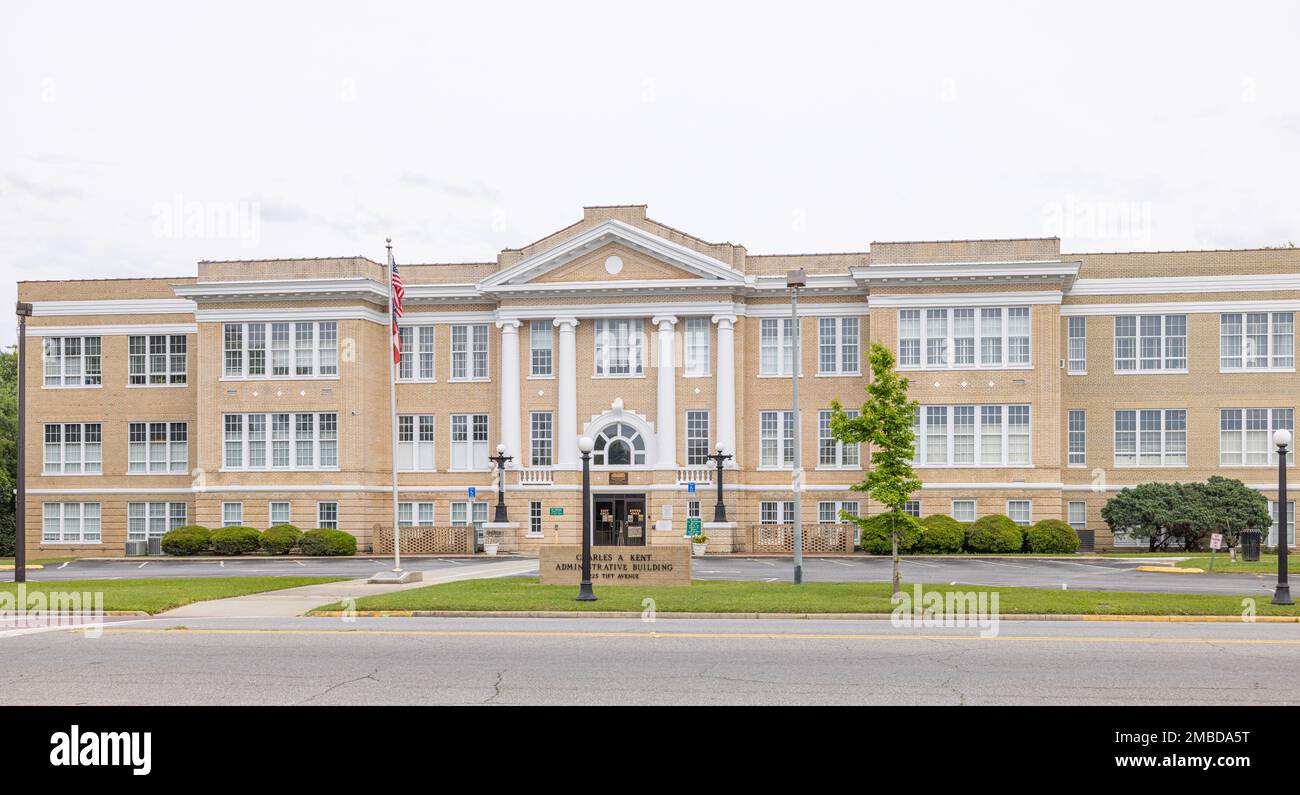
[297, 601]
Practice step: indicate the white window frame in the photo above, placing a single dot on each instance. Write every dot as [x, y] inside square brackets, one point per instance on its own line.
[419, 360]
[781, 434]
[154, 519]
[977, 435]
[541, 357]
[839, 345]
[90, 455]
[1076, 362]
[320, 350]
[325, 509]
[235, 509]
[1017, 505]
[1166, 353]
[928, 338]
[974, 510]
[1274, 419]
[1279, 333]
[471, 356]
[1290, 524]
[776, 512]
[535, 529]
[322, 445]
[141, 455]
[541, 439]
[417, 443]
[474, 451]
[413, 514]
[607, 332]
[698, 425]
[469, 512]
[1081, 522]
[59, 513]
[696, 347]
[271, 521]
[1168, 453]
[145, 368]
[832, 509]
[776, 337]
[1076, 437]
[55, 363]
[842, 455]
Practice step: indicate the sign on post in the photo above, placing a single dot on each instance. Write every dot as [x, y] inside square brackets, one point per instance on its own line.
[690, 487]
[556, 511]
[473, 492]
[693, 526]
[1216, 540]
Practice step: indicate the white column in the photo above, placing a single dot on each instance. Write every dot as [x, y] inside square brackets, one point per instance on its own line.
[725, 385]
[666, 405]
[566, 390]
[510, 390]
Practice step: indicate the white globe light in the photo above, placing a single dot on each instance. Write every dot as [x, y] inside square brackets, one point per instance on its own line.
[585, 444]
[719, 448]
[1282, 437]
[501, 448]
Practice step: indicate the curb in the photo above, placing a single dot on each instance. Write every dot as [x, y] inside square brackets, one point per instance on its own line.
[28, 567]
[1169, 570]
[762, 616]
[114, 613]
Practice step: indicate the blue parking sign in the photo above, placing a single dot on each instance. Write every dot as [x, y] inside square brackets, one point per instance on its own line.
[473, 492]
[690, 487]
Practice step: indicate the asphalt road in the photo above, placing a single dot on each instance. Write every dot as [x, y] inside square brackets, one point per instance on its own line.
[1117, 574]
[670, 661]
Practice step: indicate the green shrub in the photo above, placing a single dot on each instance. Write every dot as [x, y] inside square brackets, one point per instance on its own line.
[236, 540]
[188, 540]
[876, 533]
[1052, 536]
[941, 535]
[280, 539]
[8, 532]
[995, 533]
[327, 542]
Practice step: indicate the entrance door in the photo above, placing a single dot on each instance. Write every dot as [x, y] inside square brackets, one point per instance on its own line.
[620, 520]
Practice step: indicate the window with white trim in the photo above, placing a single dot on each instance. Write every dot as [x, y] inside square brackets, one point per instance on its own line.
[70, 523]
[469, 352]
[1077, 437]
[1077, 346]
[912, 508]
[831, 452]
[415, 443]
[964, 337]
[327, 515]
[963, 510]
[1020, 511]
[469, 441]
[776, 439]
[776, 512]
[1077, 514]
[541, 347]
[463, 513]
[697, 438]
[158, 447]
[232, 514]
[1246, 436]
[303, 349]
[73, 448]
[697, 346]
[1290, 523]
[1150, 343]
[541, 439]
[278, 513]
[146, 520]
[156, 360]
[535, 517]
[692, 509]
[775, 346]
[949, 436]
[620, 347]
[72, 361]
[837, 346]
[618, 444]
[1257, 341]
[414, 514]
[1151, 437]
[301, 441]
[419, 345]
[828, 511]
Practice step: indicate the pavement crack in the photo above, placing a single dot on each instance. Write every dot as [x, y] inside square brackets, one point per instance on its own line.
[332, 688]
[496, 687]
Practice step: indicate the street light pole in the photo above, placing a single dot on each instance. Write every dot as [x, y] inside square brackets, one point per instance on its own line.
[500, 459]
[1282, 594]
[585, 594]
[794, 280]
[24, 311]
[720, 509]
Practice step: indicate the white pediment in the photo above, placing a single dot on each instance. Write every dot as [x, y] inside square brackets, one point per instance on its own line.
[612, 231]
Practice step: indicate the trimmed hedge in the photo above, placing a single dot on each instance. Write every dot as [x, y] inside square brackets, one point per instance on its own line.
[994, 533]
[1051, 536]
[941, 535]
[327, 542]
[188, 540]
[280, 539]
[876, 533]
[236, 540]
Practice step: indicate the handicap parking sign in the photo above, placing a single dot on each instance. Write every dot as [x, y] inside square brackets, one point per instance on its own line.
[690, 487]
[473, 492]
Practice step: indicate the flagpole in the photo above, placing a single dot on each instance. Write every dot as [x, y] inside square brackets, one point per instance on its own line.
[392, 412]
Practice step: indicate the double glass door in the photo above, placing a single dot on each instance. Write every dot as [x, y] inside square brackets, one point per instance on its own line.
[619, 520]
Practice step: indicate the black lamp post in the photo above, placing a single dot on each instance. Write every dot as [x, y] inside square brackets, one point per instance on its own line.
[500, 459]
[584, 589]
[24, 311]
[1282, 595]
[719, 510]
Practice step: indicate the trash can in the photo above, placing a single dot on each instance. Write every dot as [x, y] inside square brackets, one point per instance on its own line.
[1250, 545]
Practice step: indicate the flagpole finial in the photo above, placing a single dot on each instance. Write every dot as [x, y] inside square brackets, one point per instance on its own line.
[388, 241]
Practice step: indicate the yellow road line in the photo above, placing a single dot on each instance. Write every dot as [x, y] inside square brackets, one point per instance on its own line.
[688, 635]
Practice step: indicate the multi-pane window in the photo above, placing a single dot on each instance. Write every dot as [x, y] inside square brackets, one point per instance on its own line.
[232, 514]
[298, 441]
[469, 441]
[1020, 511]
[964, 337]
[828, 511]
[697, 438]
[469, 352]
[697, 346]
[776, 512]
[620, 347]
[278, 513]
[70, 523]
[418, 344]
[1246, 436]
[146, 520]
[534, 517]
[990, 435]
[297, 350]
[1290, 523]
[542, 437]
[158, 447]
[775, 346]
[415, 443]
[912, 508]
[327, 515]
[72, 361]
[414, 514]
[1150, 343]
[776, 438]
[1257, 341]
[156, 360]
[541, 346]
[1077, 514]
[963, 510]
[1151, 437]
[831, 452]
[1077, 353]
[463, 513]
[837, 345]
[73, 448]
[1076, 443]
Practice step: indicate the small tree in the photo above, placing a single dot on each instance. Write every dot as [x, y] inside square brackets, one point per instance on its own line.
[1183, 514]
[885, 424]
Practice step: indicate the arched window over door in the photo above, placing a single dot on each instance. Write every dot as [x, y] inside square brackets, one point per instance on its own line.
[619, 444]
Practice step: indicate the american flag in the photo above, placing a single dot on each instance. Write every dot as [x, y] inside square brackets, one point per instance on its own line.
[397, 294]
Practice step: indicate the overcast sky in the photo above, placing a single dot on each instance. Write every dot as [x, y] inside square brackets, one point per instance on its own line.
[463, 128]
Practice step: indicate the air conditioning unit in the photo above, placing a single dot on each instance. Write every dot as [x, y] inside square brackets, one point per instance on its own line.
[135, 549]
[155, 546]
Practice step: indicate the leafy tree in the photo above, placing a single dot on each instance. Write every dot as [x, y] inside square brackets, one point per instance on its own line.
[8, 447]
[885, 424]
[1229, 507]
[1170, 515]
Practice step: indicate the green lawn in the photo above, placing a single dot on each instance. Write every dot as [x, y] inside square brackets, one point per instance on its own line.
[157, 595]
[517, 593]
[1267, 564]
